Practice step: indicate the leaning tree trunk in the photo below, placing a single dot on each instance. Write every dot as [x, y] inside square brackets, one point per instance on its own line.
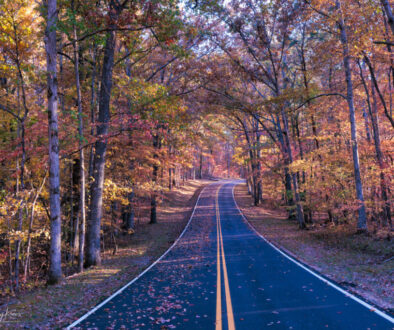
[96, 192]
[373, 112]
[55, 270]
[389, 13]
[379, 156]
[362, 218]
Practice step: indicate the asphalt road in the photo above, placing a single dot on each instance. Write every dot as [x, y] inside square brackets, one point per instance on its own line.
[221, 275]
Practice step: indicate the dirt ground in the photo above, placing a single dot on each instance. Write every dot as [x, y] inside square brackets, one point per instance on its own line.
[364, 265]
[57, 306]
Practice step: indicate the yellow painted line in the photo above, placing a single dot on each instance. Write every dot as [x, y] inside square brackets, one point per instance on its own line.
[218, 282]
[229, 306]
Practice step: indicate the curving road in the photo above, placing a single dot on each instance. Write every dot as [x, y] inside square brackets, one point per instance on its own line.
[220, 274]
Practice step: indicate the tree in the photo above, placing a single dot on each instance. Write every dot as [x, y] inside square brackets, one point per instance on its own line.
[55, 270]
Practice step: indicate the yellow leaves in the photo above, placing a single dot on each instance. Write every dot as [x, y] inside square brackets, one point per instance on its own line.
[19, 235]
[116, 192]
[301, 165]
[18, 20]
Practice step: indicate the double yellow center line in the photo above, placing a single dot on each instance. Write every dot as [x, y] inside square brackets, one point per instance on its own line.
[221, 257]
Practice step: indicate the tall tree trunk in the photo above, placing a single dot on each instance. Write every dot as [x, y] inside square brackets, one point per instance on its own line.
[373, 112]
[55, 269]
[252, 157]
[379, 157]
[22, 136]
[288, 187]
[362, 218]
[20, 187]
[93, 105]
[82, 182]
[75, 197]
[96, 191]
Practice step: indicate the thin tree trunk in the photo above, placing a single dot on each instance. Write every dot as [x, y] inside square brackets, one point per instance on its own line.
[379, 157]
[153, 203]
[21, 134]
[18, 246]
[373, 112]
[299, 209]
[96, 191]
[200, 165]
[362, 218]
[28, 248]
[55, 270]
[92, 111]
[366, 123]
[74, 205]
[82, 184]
[20, 187]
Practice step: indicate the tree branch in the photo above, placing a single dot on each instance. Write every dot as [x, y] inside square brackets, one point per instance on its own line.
[318, 96]
[91, 34]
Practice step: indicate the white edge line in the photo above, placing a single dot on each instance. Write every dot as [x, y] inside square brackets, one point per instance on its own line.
[346, 293]
[141, 274]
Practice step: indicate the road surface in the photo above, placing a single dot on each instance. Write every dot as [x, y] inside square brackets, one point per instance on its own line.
[221, 275]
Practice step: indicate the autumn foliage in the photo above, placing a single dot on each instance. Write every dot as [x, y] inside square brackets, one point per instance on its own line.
[293, 96]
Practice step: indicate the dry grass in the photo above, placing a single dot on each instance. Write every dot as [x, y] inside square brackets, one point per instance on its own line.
[56, 306]
[362, 264]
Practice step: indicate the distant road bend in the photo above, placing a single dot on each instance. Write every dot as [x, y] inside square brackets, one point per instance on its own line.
[221, 274]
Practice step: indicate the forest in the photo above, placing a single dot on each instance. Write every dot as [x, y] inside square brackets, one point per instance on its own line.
[108, 104]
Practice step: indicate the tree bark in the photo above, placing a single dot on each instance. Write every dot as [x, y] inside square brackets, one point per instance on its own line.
[128, 215]
[55, 270]
[379, 157]
[362, 218]
[289, 155]
[96, 191]
[93, 106]
[373, 112]
[82, 183]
